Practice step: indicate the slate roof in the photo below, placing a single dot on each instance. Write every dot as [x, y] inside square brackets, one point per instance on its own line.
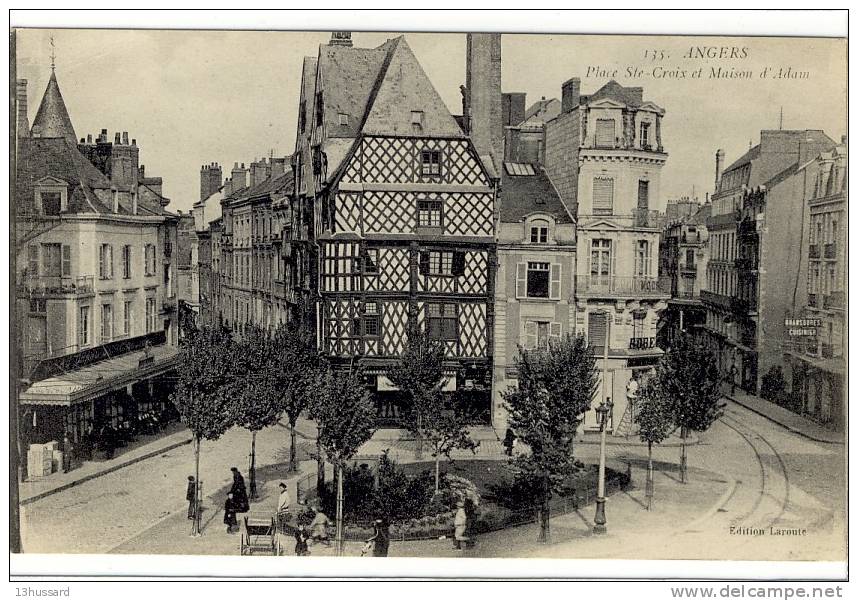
[271, 187]
[89, 190]
[541, 111]
[52, 119]
[522, 195]
[378, 88]
[632, 97]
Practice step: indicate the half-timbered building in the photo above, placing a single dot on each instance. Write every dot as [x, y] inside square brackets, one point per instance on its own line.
[404, 214]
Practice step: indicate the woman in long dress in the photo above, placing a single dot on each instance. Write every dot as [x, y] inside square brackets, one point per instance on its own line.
[239, 492]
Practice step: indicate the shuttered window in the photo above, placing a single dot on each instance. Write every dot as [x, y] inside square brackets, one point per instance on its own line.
[539, 334]
[66, 258]
[555, 281]
[52, 260]
[596, 330]
[605, 129]
[33, 260]
[603, 196]
[643, 195]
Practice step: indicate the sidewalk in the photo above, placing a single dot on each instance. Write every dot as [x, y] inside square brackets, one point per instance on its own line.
[786, 418]
[38, 488]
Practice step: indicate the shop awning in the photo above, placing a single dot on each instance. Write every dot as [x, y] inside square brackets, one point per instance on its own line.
[94, 380]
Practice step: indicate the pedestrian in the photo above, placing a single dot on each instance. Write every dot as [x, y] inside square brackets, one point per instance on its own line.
[319, 527]
[509, 441]
[460, 523]
[191, 497]
[229, 517]
[68, 453]
[301, 538]
[283, 502]
[380, 538]
[733, 373]
[239, 491]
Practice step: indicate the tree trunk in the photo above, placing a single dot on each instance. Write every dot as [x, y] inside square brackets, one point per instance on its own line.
[437, 472]
[293, 463]
[683, 456]
[649, 478]
[195, 524]
[340, 510]
[544, 515]
[418, 454]
[320, 470]
[253, 494]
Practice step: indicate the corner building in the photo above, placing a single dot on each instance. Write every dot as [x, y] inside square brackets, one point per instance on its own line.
[604, 154]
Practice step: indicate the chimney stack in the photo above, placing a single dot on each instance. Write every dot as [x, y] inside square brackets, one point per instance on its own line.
[239, 177]
[341, 38]
[483, 97]
[21, 99]
[571, 94]
[719, 166]
[125, 138]
[117, 139]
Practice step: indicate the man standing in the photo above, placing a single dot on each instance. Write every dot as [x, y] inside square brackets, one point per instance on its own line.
[191, 497]
[632, 394]
[283, 502]
[68, 453]
[734, 371]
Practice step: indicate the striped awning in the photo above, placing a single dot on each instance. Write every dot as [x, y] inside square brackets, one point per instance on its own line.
[94, 380]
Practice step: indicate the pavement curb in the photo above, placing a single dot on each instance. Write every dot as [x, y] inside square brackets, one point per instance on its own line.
[783, 424]
[731, 490]
[113, 468]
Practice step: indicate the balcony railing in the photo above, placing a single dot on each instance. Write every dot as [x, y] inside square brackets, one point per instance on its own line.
[689, 268]
[59, 286]
[623, 285]
[834, 300]
[830, 250]
[813, 251]
[647, 218]
[713, 298]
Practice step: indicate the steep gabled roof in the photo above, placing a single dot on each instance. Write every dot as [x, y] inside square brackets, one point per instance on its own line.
[348, 76]
[541, 111]
[527, 189]
[403, 87]
[52, 119]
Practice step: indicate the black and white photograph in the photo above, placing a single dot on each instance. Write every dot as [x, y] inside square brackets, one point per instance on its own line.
[465, 294]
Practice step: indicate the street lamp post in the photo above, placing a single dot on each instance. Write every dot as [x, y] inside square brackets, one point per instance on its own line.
[603, 411]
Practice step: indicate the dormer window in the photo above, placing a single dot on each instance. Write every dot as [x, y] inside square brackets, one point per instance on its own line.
[645, 144]
[343, 118]
[539, 231]
[417, 121]
[605, 129]
[51, 197]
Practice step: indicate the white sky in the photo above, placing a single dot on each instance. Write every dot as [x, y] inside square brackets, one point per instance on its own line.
[193, 97]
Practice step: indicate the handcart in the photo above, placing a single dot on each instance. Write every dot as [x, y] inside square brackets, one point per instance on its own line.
[260, 536]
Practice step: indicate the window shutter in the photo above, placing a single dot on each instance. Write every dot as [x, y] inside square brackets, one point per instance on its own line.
[603, 195]
[101, 261]
[110, 260]
[33, 260]
[555, 281]
[555, 331]
[521, 280]
[66, 259]
[424, 262]
[458, 263]
[596, 329]
[605, 132]
[530, 334]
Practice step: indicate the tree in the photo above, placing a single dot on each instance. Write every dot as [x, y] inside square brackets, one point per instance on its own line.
[655, 424]
[202, 396]
[419, 374]
[297, 377]
[254, 387]
[345, 417]
[688, 380]
[773, 385]
[555, 389]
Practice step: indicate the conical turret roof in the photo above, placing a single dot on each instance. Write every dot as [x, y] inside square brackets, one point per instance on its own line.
[52, 119]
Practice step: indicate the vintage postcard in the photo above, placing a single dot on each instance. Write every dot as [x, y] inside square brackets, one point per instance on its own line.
[429, 295]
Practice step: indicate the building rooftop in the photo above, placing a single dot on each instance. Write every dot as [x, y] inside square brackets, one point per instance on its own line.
[52, 119]
[527, 189]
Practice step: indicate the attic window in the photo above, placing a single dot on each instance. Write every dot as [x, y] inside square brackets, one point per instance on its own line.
[51, 198]
[417, 121]
[343, 118]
